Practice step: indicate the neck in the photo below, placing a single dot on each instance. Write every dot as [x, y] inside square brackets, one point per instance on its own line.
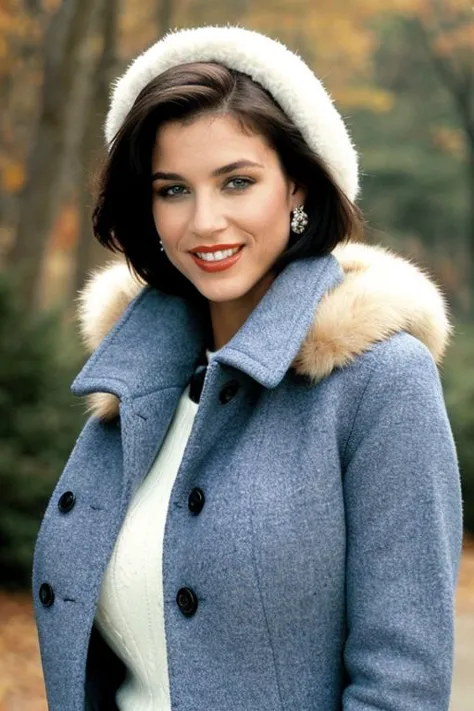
[228, 316]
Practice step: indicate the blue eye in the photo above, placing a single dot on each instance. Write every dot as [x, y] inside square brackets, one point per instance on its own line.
[242, 183]
[171, 191]
[175, 191]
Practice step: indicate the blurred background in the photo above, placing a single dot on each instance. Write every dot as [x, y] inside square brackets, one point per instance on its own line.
[402, 74]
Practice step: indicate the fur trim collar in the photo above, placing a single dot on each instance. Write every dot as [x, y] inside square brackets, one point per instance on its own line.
[382, 293]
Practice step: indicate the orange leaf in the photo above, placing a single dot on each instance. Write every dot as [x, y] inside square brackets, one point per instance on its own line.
[12, 177]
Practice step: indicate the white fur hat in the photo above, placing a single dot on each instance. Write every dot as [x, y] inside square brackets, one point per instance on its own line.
[267, 61]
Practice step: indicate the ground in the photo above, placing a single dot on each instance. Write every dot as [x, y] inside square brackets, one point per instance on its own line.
[463, 683]
[21, 685]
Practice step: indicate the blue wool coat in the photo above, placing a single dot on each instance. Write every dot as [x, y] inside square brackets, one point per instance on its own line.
[324, 561]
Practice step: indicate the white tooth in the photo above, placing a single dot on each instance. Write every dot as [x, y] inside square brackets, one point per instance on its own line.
[216, 256]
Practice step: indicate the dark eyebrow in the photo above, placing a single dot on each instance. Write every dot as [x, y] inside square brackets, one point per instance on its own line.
[215, 173]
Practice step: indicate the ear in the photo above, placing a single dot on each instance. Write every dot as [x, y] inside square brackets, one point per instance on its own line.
[298, 194]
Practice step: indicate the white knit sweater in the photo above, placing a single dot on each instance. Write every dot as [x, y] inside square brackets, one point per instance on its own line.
[130, 609]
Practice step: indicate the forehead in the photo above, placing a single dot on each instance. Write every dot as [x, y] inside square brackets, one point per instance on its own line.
[208, 142]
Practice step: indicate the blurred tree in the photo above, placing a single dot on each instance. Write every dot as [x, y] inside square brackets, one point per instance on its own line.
[413, 158]
[142, 24]
[337, 39]
[34, 7]
[189, 13]
[19, 38]
[413, 150]
[89, 252]
[164, 15]
[58, 127]
[39, 421]
[445, 30]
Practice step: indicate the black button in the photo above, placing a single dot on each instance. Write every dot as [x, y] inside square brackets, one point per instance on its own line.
[66, 502]
[229, 391]
[187, 601]
[46, 594]
[196, 383]
[196, 500]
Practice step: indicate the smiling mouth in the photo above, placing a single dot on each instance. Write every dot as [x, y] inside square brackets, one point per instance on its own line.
[215, 247]
[219, 260]
[217, 255]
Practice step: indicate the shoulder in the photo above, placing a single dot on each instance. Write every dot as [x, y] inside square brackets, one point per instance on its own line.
[400, 394]
[398, 363]
[401, 361]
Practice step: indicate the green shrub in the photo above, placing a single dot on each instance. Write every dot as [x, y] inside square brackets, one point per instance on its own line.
[458, 381]
[39, 422]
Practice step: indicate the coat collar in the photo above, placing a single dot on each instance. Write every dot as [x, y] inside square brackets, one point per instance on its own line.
[159, 340]
[319, 314]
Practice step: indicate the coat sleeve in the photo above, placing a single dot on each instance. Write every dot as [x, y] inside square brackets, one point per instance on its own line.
[404, 533]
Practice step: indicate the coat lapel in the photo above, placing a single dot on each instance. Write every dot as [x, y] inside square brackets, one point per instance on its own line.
[145, 361]
[144, 424]
[159, 339]
[266, 344]
[148, 357]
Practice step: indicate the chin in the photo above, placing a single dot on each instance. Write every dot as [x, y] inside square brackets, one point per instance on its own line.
[222, 292]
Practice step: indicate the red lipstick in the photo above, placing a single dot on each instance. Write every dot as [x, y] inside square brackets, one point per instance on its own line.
[214, 248]
[221, 264]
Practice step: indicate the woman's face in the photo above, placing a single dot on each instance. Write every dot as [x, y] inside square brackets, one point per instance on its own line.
[217, 186]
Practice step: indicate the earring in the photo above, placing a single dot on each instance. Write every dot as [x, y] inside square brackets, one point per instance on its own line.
[161, 246]
[299, 221]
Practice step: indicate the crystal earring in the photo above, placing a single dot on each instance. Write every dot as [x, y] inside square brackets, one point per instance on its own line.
[161, 246]
[299, 220]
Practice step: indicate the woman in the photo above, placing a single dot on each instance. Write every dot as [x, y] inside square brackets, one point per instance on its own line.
[263, 510]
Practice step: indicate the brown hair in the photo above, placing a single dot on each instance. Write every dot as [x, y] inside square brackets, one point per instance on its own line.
[122, 218]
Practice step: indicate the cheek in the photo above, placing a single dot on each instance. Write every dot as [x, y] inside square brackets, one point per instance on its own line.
[168, 221]
[267, 212]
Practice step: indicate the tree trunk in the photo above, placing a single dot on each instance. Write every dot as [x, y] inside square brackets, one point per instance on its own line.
[64, 43]
[164, 15]
[210, 12]
[89, 252]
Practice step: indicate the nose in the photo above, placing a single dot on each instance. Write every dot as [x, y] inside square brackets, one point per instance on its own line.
[207, 216]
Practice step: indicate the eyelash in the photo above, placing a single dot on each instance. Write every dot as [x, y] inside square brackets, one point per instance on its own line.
[163, 193]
